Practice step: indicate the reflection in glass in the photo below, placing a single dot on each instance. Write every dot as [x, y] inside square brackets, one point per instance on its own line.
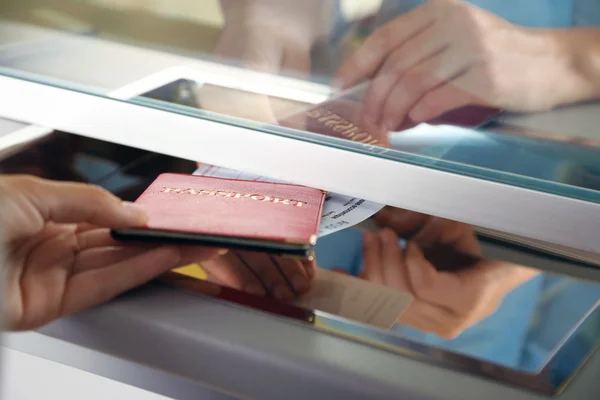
[438, 87]
[510, 322]
[455, 71]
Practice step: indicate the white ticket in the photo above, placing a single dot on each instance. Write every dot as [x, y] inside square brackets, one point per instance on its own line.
[339, 211]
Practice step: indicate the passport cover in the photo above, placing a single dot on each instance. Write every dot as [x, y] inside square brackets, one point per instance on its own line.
[341, 117]
[266, 216]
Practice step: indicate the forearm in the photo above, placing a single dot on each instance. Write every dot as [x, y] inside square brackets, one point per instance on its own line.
[582, 47]
[307, 20]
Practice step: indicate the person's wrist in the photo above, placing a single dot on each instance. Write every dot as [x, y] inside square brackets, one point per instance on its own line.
[575, 71]
[512, 275]
[299, 21]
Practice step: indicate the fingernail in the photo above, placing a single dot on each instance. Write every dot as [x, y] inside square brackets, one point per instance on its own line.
[222, 252]
[255, 289]
[299, 283]
[136, 211]
[282, 293]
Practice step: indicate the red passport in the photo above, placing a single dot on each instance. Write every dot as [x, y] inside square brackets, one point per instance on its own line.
[269, 217]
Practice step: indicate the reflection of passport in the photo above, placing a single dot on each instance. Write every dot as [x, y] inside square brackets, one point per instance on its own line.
[260, 216]
[342, 115]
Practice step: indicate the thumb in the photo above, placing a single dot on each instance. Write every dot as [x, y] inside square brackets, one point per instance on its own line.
[63, 202]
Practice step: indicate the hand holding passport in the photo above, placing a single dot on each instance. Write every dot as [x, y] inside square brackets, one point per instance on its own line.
[271, 229]
[264, 224]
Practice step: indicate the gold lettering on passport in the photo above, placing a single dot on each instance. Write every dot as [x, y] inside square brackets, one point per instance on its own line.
[234, 195]
[328, 117]
[317, 112]
[342, 126]
[169, 190]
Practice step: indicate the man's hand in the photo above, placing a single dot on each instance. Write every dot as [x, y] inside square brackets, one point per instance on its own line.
[262, 274]
[61, 258]
[446, 303]
[447, 54]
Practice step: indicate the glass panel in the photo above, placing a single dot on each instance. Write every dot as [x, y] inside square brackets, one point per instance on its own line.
[269, 65]
[513, 323]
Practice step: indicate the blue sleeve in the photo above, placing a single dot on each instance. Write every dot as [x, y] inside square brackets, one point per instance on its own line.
[586, 13]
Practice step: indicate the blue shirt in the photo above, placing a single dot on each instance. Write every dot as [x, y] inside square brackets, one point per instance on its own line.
[533, 13]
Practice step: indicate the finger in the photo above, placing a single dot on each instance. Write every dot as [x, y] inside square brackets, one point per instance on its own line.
[101, 257]
[373, 269]
[445, 98]
[415, 51]
[437, 288]
[310, 267]
[368, 58]
[430, 318]
[266, 270]
[74, 203]
[394, 268]
[461, 237]
[417, 82]
[230, 271]
[99, 237]
[84, 227]
[293, 272]
[404, 222]
[92, 287]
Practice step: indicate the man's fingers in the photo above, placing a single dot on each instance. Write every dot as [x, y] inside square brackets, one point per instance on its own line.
[416, 82]
[97, 286]
[294, 273]
[431, 318]
[366, 60]
[394, 268]
[403, 222]
[100, 257]
[373, 259]
[75, 203]
[450, 96]
[417, 49]
[99, 237]
[274, 277]
[428, 284]
[231, 271]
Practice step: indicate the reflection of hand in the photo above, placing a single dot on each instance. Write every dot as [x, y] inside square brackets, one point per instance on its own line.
[261, 274]
[448, 53]
[61, 257]
[252, 106]
[446, 303]
[262, 36]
